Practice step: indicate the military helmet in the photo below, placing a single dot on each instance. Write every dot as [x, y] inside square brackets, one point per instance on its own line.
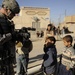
[11, 5]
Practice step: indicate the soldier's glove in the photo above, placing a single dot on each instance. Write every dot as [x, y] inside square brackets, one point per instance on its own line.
[5, 38]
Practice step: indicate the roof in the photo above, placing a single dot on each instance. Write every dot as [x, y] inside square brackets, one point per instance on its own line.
[70, 19]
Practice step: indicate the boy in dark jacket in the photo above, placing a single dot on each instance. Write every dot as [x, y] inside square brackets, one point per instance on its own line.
[50, 56]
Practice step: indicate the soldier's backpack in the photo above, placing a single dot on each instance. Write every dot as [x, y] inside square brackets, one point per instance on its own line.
[27, 46]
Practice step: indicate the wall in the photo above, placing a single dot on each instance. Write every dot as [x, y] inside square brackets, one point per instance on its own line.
[28, 15]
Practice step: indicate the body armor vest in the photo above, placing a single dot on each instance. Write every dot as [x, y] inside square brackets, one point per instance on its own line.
[8, 46]
[5, 25]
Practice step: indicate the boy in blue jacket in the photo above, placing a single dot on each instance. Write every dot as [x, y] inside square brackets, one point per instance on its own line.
[50, 56]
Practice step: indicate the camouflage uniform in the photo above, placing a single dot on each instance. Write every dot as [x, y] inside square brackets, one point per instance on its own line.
[7, 42]
[8, 47]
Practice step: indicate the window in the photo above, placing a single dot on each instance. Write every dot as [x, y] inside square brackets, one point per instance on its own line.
[36, 25]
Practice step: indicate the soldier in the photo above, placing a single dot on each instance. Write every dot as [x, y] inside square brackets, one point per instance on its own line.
[7, 43]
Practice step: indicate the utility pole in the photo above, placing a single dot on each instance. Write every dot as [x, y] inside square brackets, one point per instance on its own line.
[59, 20]
[65, 12]
[65, 18]
[0, 6]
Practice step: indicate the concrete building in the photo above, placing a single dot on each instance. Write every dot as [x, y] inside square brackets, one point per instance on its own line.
[69, 21]
[34, 17]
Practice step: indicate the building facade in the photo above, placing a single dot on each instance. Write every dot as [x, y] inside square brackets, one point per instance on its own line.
[33, 17]
[69, 21]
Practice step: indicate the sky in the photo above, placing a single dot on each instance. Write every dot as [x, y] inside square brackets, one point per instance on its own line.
[58, 8]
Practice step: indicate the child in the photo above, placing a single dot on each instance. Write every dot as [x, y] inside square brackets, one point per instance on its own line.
[67, 56]
[49, 31]
[50, 56]
[22, 56]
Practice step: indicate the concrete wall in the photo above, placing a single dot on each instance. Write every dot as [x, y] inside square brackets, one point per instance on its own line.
[27, 16]
[69, 21]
